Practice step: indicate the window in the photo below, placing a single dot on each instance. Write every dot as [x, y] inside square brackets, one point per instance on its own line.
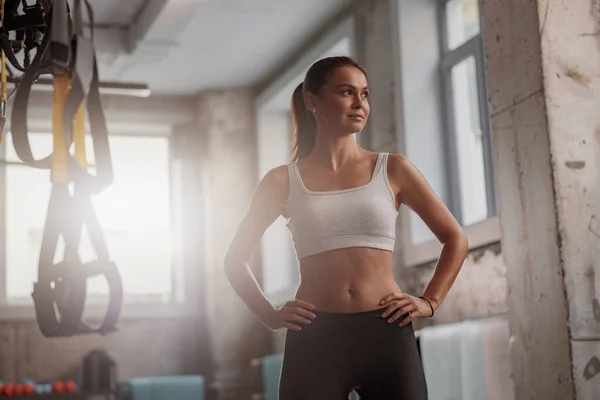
[134, 212]
[462, 21]
[469, 142]
[445, 120]
[472, 197]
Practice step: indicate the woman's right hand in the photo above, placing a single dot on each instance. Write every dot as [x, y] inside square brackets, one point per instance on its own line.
[290, 316]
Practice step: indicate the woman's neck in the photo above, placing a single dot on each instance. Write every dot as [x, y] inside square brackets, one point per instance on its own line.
[334, 152]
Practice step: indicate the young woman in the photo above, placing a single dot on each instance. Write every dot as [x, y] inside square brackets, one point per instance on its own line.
[350, 325]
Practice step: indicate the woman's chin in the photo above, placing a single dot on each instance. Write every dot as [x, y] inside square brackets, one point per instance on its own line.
[356, 127]
[350, 128]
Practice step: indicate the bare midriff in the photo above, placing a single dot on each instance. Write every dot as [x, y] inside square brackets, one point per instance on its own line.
[347, 280]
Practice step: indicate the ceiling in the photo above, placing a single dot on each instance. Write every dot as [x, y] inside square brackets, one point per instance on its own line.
[180, 47]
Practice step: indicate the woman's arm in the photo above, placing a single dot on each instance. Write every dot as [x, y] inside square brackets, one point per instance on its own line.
[414, 191]
[264, 209]
[268, 198]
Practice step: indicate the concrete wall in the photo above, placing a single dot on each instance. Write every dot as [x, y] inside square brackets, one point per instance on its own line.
[140, 348]
[479, 291]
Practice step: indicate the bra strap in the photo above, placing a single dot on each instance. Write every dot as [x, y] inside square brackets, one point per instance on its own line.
[381, 164]
[293, 177]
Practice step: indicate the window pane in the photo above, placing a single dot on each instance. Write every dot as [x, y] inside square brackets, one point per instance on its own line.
[469, 142]
[462, 20]
[27, 195]
[423, 123]
[134, 214]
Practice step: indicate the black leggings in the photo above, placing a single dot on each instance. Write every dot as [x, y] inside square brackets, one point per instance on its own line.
[362, 351]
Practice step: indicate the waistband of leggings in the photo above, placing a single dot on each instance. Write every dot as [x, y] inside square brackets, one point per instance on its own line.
[350, 314]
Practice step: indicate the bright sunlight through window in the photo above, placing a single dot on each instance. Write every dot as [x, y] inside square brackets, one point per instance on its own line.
[134, 213]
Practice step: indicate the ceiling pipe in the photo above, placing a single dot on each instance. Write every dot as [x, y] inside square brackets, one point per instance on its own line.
[111, 88]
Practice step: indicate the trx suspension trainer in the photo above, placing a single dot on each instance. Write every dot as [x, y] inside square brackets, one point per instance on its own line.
[64, 51]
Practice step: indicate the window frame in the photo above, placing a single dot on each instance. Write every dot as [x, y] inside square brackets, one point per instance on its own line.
[449, 58]
[487, 231]
[183, 302]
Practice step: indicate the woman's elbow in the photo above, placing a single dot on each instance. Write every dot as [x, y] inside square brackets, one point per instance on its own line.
[229, 262]
[462, 243]
[457, 239]
[233, 261]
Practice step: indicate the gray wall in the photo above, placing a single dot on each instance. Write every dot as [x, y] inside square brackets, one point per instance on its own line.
[140, 348]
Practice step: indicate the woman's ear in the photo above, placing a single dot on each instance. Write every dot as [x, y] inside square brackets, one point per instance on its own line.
[310, 101]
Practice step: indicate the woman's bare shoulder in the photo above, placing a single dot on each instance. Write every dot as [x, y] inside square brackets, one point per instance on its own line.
[275, 182]
[278, 176]
[401, 171]
[398, 162]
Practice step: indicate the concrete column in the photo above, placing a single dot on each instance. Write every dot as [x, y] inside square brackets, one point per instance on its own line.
[542, 65]
[570, 42]
[189, 150]
[376, 46]
[226, 121]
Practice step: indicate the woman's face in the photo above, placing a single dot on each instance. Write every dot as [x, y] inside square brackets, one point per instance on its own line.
[342, 104]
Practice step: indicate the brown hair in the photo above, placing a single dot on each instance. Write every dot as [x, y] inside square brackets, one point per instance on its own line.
[305, 126]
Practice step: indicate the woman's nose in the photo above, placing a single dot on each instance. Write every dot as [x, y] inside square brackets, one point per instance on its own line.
[357, 103]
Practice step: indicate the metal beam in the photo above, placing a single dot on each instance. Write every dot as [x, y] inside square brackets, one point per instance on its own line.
[161, 21]
[124, 114]
[144, 21]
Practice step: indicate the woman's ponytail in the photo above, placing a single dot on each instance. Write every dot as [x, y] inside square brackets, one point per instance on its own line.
[305, 126]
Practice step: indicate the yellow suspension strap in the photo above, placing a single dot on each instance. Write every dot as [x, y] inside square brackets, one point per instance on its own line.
[60, 163]
[60, 155]
[79, 137]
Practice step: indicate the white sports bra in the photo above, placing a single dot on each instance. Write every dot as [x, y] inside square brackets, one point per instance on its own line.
[364, 216]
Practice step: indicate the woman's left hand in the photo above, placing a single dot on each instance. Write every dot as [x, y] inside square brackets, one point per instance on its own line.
[403, 303]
